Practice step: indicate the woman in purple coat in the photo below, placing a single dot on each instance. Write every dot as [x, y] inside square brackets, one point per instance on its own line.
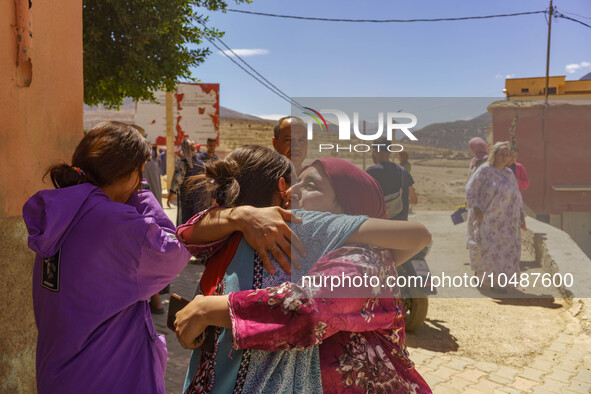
[103, 248]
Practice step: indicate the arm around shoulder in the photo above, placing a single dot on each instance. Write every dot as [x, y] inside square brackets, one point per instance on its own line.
[405, 238]
[264, 229]
[211, 225]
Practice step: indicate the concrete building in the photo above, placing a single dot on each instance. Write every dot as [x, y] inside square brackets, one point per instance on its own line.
[536, 87]
[41, 96]
[553, 141]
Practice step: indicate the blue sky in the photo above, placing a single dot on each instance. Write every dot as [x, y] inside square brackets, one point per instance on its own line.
[443, 59]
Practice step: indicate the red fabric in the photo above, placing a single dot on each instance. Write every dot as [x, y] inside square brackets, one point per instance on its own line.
[217, 265]
[356, 190]
[208, 249]
[521, 175]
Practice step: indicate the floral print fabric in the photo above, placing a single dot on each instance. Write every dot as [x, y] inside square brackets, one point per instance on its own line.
[294, 372]
[495, 242]
[361, 340]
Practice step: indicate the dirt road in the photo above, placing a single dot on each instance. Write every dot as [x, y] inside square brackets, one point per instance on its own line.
[510, 331]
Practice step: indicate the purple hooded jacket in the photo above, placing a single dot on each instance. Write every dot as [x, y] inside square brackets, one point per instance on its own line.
[97, 264]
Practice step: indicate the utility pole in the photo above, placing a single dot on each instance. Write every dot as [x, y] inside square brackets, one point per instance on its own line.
[544, 108]
[548, 51]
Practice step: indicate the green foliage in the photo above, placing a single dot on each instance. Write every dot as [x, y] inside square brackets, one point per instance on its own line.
[133, 47]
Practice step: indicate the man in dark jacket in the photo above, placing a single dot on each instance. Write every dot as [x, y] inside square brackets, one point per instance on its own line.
[395, 181]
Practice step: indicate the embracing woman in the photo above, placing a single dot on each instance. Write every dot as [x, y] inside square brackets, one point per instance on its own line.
[103, 247]
[329, 334]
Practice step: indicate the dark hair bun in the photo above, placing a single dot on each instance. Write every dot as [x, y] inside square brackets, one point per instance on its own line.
[64, 175]
[247, 176]
[223, 185]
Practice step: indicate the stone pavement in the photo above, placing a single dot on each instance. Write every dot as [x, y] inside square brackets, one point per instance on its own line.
[562, 364]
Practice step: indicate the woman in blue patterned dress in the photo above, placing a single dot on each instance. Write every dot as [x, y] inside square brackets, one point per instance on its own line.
[221, 365]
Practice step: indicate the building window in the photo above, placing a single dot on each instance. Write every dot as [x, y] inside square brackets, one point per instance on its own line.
[550, 90]
[525, 90]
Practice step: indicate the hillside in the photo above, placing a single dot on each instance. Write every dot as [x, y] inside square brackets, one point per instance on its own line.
[237, 129]
[126, 113]
[454, 135]
[94, 115]
[227, 113]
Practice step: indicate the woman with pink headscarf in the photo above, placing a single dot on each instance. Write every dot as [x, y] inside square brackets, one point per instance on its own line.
[294, 337]
[360, 330]
[478, 150]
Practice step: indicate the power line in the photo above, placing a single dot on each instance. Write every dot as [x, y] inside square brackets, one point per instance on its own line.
[285, 95]
[572, 19]
[279, 93]
[268, 84]
[385, 20]
[572, 13]
[251, 68]
[244, 69]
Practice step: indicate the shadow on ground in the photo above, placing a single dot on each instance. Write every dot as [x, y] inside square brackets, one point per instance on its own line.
[433, 335]
[525, 265]
[530, 300]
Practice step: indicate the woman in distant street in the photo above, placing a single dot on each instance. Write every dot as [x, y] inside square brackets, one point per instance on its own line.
[190, 201]
[478, 150]
[518, 169]
[495, 216]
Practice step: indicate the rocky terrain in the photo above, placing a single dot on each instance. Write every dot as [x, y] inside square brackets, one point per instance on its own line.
[455, 135]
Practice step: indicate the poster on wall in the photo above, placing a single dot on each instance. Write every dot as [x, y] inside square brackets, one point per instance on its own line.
[196, 114]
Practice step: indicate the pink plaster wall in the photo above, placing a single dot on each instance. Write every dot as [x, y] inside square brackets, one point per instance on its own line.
[554, 152]
[38, 125]
[43, 122]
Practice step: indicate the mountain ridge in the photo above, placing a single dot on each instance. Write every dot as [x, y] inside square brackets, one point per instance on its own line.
[449, 135]
[126, 113]
[454, 135]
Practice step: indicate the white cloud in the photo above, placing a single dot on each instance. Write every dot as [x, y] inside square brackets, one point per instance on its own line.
[245, 52]
[573, 68]
[509, 76]
[500, 76]
[272, 116]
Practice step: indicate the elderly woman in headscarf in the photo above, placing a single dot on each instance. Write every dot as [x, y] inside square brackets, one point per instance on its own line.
[478, 150]
[308, 338]
[495, 215]
[190, 200]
